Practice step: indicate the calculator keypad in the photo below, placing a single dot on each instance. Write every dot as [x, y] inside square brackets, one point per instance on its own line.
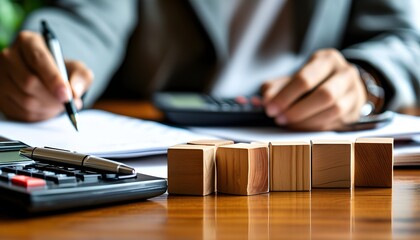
[41, 175]
[238, 104]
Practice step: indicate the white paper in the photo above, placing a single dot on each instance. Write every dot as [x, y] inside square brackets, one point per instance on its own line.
[150, 165]
[401, 127]
[100, 133]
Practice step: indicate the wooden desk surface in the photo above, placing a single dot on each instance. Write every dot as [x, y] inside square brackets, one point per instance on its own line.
[320, 214]
[362, 213]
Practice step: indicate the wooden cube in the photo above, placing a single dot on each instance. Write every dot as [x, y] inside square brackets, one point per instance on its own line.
[191, 169]
[332, 164]
[290, 166]
[374, 161]
[211, 142]
[215, 143]
[242, 169]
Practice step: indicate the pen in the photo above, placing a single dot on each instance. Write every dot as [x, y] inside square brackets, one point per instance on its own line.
[55, 49]
[53, 155]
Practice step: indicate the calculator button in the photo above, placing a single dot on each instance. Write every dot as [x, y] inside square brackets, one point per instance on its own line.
[24, 172]
[225, 107]
[38, 165]
[109, 176]
[51, 169]
[26, 181]
[88, 177]
[5, 176]
[9, 169]
[42, 174]
[12, 169]
[62, 179]
[241, 100]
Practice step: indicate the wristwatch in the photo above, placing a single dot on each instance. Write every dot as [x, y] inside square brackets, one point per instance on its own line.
[374, 90]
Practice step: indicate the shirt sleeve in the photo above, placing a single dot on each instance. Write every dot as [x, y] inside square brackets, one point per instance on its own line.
[385, 35]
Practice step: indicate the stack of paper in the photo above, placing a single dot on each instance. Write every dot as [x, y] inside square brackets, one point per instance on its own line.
[100, 133]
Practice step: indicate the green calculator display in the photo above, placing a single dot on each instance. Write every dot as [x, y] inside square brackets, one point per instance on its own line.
[9, 153]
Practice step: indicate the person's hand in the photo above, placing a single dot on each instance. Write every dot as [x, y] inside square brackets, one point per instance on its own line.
[31, 87]
[325, 94]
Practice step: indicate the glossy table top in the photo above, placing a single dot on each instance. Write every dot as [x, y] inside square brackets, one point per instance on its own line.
[362, 213]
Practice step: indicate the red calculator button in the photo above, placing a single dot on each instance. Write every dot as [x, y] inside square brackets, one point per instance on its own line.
[241, 100]
[26, 181]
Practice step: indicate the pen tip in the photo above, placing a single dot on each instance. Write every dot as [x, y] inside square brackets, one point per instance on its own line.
[27, 152]
[126, 170]
[74, 121]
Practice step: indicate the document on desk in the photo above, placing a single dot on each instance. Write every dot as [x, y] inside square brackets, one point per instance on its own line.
[100, 133]
[402, 128]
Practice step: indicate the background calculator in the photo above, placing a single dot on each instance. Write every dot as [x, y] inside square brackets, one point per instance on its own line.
[192, 109]
[203, 110]
[34, 186]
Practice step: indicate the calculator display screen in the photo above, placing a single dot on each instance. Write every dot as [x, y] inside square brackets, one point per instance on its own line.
[11, 157]
[188, 101]
[9, 152]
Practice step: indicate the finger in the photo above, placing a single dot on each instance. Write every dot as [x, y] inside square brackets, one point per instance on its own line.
[323, 97]
[317, 69]
[20, 106]
[27, 92]
[80, 77]
[272, 87]
[25, 81]
[9, 88]
[33, 108]
[37, 56]
[330, 119]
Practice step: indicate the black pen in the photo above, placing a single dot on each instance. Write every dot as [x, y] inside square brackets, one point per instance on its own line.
[55, 49]
[59, 156]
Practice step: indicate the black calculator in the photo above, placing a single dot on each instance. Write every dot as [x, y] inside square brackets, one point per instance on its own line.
[35, 186]
[194, 109]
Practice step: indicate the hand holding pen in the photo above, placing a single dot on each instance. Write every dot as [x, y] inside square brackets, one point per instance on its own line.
[31, 85]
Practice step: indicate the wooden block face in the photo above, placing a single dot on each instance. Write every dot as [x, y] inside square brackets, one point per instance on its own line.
[290, 166]
[191, 170]
[242, 169]
[332, 164]
[211, 142]
[374, 160]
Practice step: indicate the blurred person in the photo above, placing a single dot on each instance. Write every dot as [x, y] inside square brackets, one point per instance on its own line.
[318, 64]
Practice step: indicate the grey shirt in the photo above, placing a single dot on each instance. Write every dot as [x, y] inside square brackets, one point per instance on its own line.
[183, 45]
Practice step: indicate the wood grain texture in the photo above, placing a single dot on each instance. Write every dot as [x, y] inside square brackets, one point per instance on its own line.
[191, 170]
[374, 161]
[211, 142]
[361, 213]
[290, 166]
[332, 164]
[242, 169]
